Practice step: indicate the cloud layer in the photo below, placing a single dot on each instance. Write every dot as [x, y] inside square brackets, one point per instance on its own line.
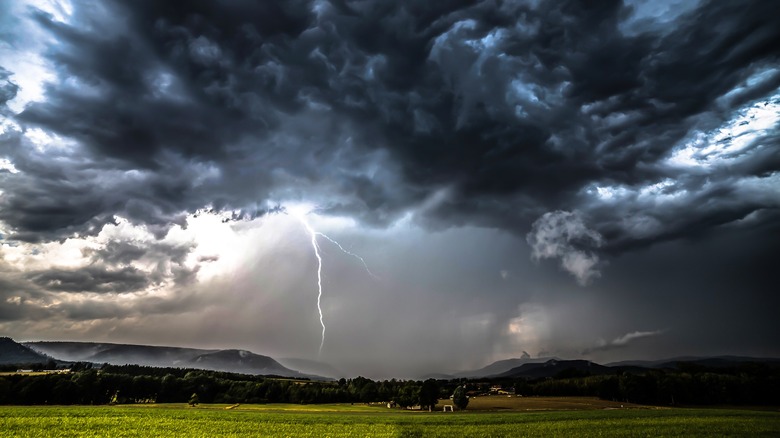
[371, 107]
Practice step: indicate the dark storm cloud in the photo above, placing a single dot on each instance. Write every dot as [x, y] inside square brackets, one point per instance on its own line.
[13, 294]
[709, 293]
[168, 261]
[61, 192]
[91, 279]
[31, 297]
[19, 300]
[511, 109]
[120, 253]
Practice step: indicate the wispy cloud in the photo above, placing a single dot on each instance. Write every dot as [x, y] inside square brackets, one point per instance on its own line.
[563, 235]
[621, 341]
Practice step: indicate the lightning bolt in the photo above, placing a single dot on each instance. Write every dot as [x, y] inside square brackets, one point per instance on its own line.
[316, 248]
[365, 265]
[300, 214]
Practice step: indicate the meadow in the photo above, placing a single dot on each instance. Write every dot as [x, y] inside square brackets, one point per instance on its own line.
[346, 420]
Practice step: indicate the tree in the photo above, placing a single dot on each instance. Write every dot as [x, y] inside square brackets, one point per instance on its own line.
[459, 398]
[523, 388]
[368, 392]
[194, 399]
[408, 394]
[429, 394]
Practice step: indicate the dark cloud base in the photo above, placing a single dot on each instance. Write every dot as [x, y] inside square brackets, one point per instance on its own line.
[514, 109]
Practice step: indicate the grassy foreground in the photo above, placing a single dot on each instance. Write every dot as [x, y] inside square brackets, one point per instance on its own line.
[348, 421]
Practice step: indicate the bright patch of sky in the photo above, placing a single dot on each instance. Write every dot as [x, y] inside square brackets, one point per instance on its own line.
[7, 125]
[529, 329]
[731, 141]
[47, 141]
[662, 191]
[60, 10]
[21, 56]
[6, 164]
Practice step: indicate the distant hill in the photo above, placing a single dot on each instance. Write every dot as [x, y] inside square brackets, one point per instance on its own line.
[235, 361]
[573, 368]
[146, 355]
[437, 376]
[650, 363]
[118, 354]
[712, 362]
[241, 361]
[308, 366]
[12, 352]
[501, 366]
[554, 368]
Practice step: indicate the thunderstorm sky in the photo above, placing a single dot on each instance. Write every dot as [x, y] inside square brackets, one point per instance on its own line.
[537, 177]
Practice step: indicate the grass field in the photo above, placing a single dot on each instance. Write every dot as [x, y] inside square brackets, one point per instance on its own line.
[514, 403]
[361, 420]
[16, 373]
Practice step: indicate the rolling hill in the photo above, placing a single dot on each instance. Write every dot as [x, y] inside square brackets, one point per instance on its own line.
[241, 361]
[12, 352]
[118, 354]
[711, 362]
[554, 367]
[247, 362]
[235, 361]
[501, 366]
[308, 366]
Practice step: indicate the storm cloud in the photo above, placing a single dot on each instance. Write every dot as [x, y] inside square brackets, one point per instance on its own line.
[589, 134]
[484, 99]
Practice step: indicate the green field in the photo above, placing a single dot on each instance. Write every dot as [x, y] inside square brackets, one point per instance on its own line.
[362, 420]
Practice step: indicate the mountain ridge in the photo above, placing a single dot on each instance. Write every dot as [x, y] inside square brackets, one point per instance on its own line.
[12, 352]
[247, 362]
[229, 360]
[501, 366]
[309, 366]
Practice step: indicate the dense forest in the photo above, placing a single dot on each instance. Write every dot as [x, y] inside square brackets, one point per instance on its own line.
[752, 384]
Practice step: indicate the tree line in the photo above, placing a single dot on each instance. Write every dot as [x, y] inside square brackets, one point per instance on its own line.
[754, 384]
[747, 384]
[140, 384]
